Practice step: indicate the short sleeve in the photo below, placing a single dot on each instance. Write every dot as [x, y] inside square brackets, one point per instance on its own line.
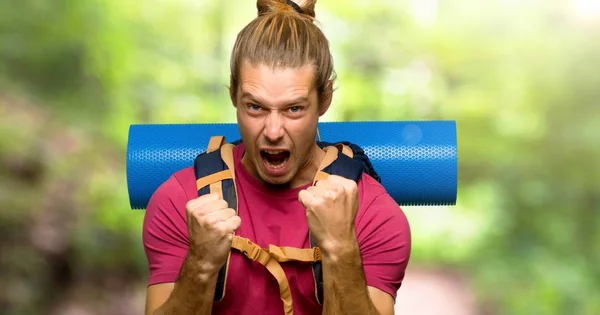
[164, 233]
[384, 239]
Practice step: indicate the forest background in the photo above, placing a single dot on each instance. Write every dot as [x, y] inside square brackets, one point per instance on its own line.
[520, 78]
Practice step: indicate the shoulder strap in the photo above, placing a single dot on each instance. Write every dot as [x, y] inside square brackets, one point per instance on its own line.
[355, 152]
[343, 165]
[215, 173]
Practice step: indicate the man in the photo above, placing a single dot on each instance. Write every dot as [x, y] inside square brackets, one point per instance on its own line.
[281, 83]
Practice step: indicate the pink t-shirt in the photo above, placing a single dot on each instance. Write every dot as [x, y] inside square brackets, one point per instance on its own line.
[382, 231]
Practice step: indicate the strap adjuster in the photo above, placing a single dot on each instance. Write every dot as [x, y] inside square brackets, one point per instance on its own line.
[254, 250]
[317, 252]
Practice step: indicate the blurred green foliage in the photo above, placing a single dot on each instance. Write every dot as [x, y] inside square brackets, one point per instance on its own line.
[520, 79]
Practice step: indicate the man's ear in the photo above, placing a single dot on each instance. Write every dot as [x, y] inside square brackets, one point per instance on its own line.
[326, 98]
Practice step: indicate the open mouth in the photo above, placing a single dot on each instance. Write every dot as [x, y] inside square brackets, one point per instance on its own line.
[275, 159]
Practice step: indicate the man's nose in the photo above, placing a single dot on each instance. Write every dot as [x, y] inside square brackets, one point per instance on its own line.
[274, 127]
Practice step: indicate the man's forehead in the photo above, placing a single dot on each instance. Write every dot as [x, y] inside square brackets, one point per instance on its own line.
[266, 80]
[263, 72]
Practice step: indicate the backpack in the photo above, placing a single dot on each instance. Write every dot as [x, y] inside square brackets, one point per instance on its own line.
[214, 170]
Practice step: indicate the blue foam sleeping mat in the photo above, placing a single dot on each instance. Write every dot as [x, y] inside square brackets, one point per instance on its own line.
[415, 160]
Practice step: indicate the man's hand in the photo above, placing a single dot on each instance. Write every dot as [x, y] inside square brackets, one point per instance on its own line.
[331, 207]
[211, 224]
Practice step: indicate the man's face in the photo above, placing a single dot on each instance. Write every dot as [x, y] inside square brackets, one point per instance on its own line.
[277, 113]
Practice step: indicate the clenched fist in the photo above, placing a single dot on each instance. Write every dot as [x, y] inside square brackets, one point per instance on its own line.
[331, 207]
[211, 224]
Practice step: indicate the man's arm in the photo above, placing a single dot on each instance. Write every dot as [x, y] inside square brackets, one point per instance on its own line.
[364, 260]
[186, 243]
[193, 292]
[157, 295]
[345, 286]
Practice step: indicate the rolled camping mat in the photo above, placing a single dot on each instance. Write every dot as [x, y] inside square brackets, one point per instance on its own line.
[415, 160]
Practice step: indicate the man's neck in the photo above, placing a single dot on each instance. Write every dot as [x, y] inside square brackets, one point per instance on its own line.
[307, 172]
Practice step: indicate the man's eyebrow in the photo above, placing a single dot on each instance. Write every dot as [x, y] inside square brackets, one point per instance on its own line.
[298, 100]
[248, 95]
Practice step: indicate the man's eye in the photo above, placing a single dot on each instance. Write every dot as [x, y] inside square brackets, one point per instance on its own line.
[253, 107]
[295, 109]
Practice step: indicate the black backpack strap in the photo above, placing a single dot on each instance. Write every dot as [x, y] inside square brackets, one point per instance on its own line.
[358, 154]
[350, 168]
[214, 175]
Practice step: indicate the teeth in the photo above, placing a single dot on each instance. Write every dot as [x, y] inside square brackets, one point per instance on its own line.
[273, 151]
[273, 166]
